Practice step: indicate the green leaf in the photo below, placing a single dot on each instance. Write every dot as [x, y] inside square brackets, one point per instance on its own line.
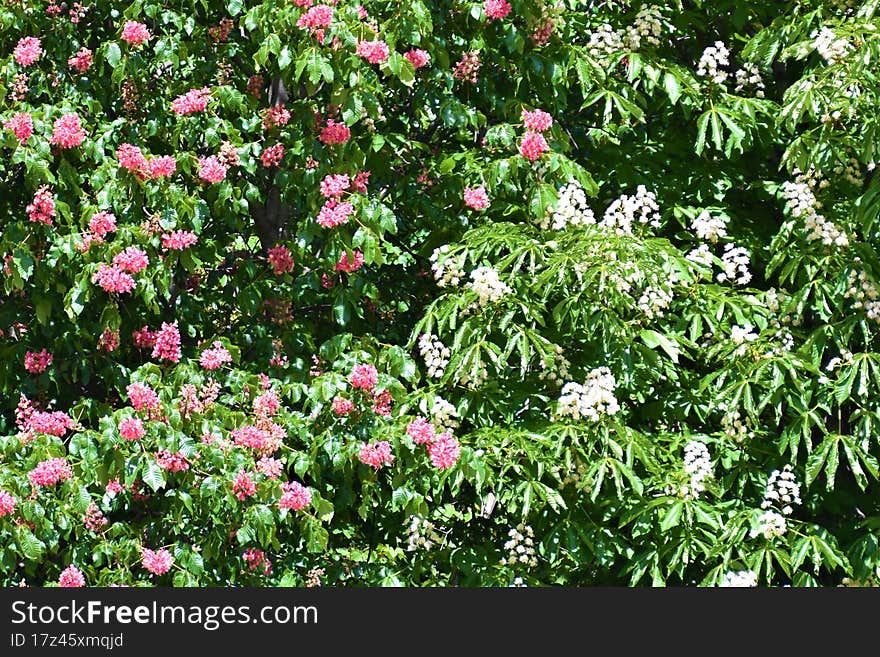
[153, 475]
[113, 54]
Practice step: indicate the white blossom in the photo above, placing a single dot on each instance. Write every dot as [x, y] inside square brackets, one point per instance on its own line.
[571, 209]
[712, 62]
[486, 284]
[782, 490]
[520, 547]
[708, 227]
[735, 265]
[739, 579]
[448, 270]
[647, 28]
[770, 525]
[434, 353]
[592, 399]
[604, 41]
[698, 465]
[642, 208]
[832, 48]
[749, 77]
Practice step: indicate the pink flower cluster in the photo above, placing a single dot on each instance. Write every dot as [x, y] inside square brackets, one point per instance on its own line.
[334, 133]
[50, 472]
[269, 467]
[319, 16]
[254, 558]
[272, 156]
[496, 9]
[132, 428]
[36, 362]
[267, 404]
[421, 431]
[42, 208]
[342, 406]
[142, 396]
[538, 120]
[158, 562]
[22, 126]
[476, 198]
[376, 454]
[102, 223]
[134, 33]
[71, 577]
[253, 438]
[132, 159]
[374, 52]
[109, 340]
[295, 496]
[418, 57]
[194, 100]
[350, 266]
[94, 519]
[179, 240]
[215, 357]
[144, 338]
[132, 260]
[212, 169]
[382, 403]
[363, 377]
[334, 185]
[533, 145]
[81, 61]
[443, 449]
[55, 423]
[28, 50]
[281, 259]
[172, 462]
[275, 116]
[7, 503]
[243, 486]
[67, 131]
[162, 166]
[167, 345]
[334, 213]
[113, 278]
[113, 487]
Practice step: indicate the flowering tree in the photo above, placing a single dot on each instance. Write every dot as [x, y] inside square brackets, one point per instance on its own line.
[453, 293]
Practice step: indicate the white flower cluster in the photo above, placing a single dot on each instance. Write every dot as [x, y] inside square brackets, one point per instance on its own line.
[604, 42]
[570, 210]
[517, 583]
[592, 399]
[712, 63]
[739, 579]
[698, 465]
[708, 227]
[555, 371]
[702, 255]
[487, 286]
[443, 415]
[850, 171]
[740, 335]
[801, 202]
[735, 263]
[448, 271]
[832, 48]
[475, 376]
[749, 77]
[654, 301]
[521, 547]
[770, 525]
[813, 177]
[434, 353]
[734, 426]
[782, 490]
[647, 28]
[865, 293]
[421, 534]
[642, 208]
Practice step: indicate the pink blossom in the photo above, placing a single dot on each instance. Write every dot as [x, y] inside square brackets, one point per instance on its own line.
[382, 403]
[538, 120]
[67, 131]
[281, 259]
[172, 462]
[55, 423]
[7, 503]
[179, 240]
[418, 57]
[215, 357]
[334, 133]
[496, 9]
[132, 429]
[243, 486]
[269, 467]
[251, 437]
[22, 126]
[113, 487]
[50, 472]
[102, 223]
[134, 33]
[81, 61]
[444, 451]
[360, 181]
[363, 377]
[142, 396]
[212, 169]
[160, 167]
[334, 213]
[272, 156]
[28, 50]
[113, 278]
[303, 3]
[335, 185]
[158, 562]
[317, 16]
[476, 198]
[144, 338]
[275, 116]
[267, 404]
[194, 100]
[342, 406]
[94, 519]
[36, 362]
[132, 259]
[255, 558]
[376, 454]
[167, 345]
[374, 52]
[71, 577]
[295, 496]
[352, 266]
[130, 157]
[533, 145]
[421, 431]
[109, 340]
[42, 208]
